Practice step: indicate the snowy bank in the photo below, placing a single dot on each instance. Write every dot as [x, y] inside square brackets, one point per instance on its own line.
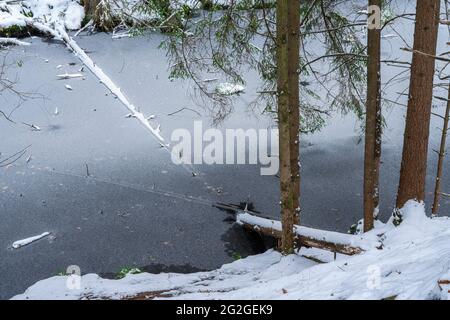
[14, 41]
[67, 12]
[413, 264]
[70, 13]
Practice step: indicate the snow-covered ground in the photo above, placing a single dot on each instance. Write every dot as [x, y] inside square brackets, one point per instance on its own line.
[414, 263]
[67, 12]
[71, 14]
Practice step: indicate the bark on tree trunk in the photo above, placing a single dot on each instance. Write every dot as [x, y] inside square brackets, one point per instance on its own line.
[437, 188]
[286, 194]
[90, 6]
[440, 168]
[294, 101]
[100, 12]
[372, 151]
[415, 145]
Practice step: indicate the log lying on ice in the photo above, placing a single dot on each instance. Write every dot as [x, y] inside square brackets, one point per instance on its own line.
[58, 31]
[309, 237]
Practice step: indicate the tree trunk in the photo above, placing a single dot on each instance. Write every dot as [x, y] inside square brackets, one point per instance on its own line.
[440, 168]
[286, 194]
[372, 151]
[437, 189]
[100, 12]
[90, 6]
[294, 101]
[417, 130]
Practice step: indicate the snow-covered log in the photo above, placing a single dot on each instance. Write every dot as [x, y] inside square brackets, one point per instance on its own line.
[308, 237]
[58, 31]
[13, 41]
[107, 82]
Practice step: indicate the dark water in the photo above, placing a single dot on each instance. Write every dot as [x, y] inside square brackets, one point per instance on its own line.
[121, 215]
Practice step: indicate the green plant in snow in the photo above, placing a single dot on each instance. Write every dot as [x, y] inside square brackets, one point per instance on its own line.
[125, 271]
[236, 256]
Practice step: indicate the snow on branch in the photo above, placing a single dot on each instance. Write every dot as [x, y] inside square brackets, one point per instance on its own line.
[13, 41]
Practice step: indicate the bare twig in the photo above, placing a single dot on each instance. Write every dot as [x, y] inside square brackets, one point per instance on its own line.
[6, 117]
[13, 158]
[425, 54]
[184, 108]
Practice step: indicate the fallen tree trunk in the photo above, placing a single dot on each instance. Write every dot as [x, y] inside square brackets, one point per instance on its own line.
[309, 237]
[58, 31]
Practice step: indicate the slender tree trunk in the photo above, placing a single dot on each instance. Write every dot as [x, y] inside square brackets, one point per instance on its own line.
[437, 189]
[100, 12]
[90, 6]
[294, 101]
[440, 168]
[417, 130]
[286, 198]
[372, 151]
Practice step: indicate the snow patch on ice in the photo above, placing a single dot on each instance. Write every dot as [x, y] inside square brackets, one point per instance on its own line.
[20, 243]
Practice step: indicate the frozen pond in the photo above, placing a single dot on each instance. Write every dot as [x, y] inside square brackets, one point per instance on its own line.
[136, 208]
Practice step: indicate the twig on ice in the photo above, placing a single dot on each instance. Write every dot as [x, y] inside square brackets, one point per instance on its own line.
[88, 174]
[32, 126]
[87, 25]
[6, 117]
[13, 158]
[184, 108]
